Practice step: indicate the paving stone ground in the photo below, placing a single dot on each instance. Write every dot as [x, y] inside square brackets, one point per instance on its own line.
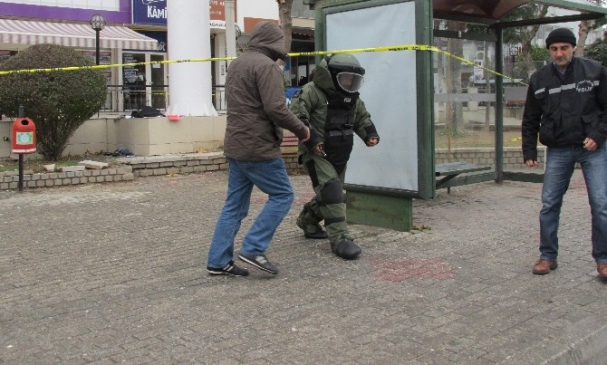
[114, 273]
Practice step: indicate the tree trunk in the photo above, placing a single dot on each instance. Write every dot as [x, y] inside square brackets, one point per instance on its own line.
[453, 82]
[488, 88]
[286, 22]
[440, 65]
[527, 64]
[584, 28]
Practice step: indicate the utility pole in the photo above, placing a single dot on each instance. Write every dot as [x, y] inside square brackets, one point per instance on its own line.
[230, 30]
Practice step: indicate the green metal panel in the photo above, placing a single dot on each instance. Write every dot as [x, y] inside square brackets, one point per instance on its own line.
[425, 100]
[499, 108]
[380, 211]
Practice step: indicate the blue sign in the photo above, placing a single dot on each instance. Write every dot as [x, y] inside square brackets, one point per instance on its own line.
[150, 12]
[161, 37]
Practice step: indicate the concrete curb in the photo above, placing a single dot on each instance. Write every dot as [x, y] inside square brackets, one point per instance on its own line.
[590, 349]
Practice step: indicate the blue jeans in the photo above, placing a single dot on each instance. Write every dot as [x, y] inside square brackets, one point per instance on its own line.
[559, 168]
[268, 176]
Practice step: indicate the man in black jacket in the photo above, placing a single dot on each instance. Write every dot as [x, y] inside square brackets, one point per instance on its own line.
[567, 106]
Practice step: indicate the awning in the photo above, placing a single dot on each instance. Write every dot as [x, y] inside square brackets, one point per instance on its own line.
[72, 35]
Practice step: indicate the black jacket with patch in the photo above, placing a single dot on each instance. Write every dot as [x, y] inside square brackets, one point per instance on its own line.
[565, 112]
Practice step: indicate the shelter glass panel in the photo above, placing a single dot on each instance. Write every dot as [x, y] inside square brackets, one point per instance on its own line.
[464, 101]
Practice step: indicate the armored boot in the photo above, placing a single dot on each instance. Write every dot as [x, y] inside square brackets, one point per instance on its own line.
[308, 221]
[345, 248]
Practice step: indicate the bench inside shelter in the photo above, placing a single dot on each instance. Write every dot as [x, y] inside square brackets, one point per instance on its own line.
[446, 172]
[515, 96]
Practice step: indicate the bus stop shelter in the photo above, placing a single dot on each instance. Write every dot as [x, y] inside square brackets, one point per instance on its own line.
[435, 86]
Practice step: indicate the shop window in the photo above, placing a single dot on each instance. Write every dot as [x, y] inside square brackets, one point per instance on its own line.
[134, 81]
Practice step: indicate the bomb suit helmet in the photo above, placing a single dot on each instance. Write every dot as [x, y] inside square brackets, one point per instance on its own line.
[346, 72]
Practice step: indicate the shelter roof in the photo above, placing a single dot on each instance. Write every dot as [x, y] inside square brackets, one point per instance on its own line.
[494, 10]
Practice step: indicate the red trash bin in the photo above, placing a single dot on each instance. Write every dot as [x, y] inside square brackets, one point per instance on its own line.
[24, 136]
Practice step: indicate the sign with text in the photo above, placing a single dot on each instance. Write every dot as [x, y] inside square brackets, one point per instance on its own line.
[154, 12]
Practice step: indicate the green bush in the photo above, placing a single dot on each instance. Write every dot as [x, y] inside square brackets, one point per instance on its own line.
[597, 51]
[57, 101]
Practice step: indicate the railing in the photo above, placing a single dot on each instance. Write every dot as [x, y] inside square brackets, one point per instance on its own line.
[122, 98]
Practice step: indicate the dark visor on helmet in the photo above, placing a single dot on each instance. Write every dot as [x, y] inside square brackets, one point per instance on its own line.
[349, 81]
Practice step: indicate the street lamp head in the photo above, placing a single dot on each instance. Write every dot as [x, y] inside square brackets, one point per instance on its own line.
[97, 22]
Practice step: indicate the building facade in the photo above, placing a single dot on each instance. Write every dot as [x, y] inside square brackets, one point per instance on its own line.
[27, 22]
[134, 41]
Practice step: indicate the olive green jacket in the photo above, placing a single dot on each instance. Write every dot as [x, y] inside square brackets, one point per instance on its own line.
[311, 103]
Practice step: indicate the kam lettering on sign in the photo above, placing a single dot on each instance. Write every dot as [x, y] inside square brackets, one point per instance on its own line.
[155, 12]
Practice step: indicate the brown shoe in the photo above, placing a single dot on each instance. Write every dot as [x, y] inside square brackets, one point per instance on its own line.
[543, 267]
[601, 268]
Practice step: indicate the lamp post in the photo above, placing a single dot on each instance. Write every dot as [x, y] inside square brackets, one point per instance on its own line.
[97, 23]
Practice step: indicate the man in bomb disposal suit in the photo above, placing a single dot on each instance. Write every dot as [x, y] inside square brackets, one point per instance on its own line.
[331, 106]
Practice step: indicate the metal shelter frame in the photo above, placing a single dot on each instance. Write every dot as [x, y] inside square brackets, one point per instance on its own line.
[490, 13]
[391, 208]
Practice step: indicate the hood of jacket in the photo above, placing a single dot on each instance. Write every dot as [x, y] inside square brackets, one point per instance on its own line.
[323, 79]
[268, 39]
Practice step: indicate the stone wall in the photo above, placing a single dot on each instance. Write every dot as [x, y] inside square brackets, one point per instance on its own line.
[175, 164]
[191, 163]
[10, 180]
[133, 167]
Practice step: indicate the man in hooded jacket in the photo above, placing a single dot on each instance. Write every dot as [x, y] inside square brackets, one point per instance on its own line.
[256, 114]
[331, 105]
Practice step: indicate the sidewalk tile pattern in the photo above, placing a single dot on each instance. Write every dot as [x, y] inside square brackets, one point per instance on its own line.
[114, 273]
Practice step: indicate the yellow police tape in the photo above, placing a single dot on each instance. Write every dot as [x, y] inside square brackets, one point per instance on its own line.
[403, 47]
